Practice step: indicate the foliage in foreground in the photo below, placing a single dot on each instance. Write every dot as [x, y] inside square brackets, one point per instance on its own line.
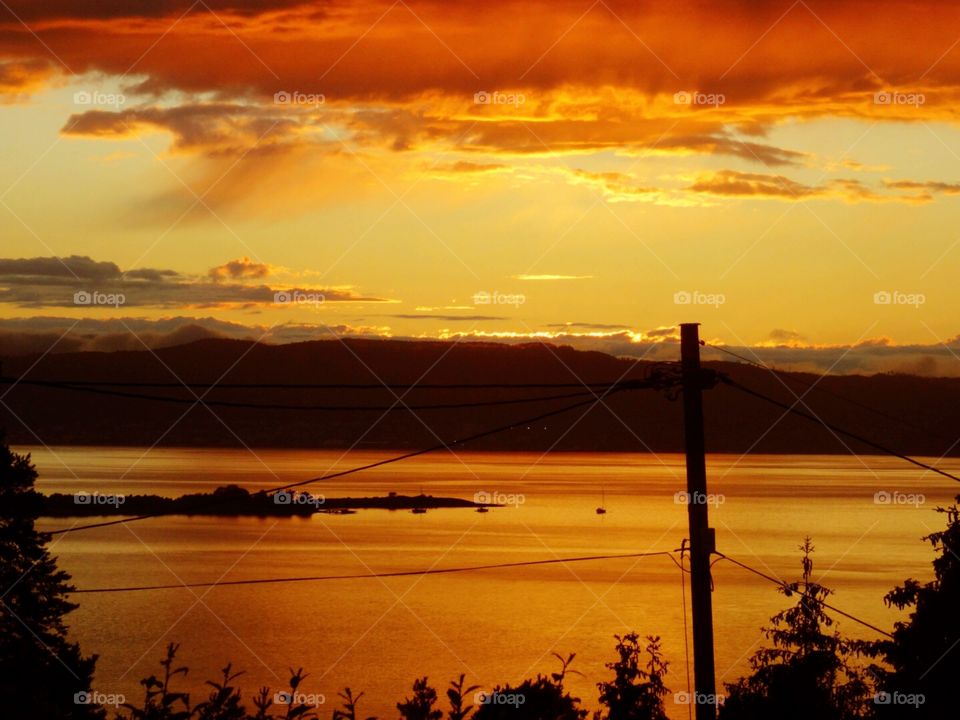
[42, 673]
[634, 694]
[922, 659]
[808, 671]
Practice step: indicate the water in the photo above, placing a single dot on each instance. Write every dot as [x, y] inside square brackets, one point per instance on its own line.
[495, 626]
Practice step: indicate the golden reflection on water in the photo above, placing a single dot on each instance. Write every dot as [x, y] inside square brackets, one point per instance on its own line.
[496, 626]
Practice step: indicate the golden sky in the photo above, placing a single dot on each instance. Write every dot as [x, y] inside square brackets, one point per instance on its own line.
[786, 173]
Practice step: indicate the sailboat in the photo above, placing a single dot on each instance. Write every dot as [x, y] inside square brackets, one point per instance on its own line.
[602, 510]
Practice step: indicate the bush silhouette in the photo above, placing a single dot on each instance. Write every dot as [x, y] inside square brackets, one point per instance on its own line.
[162, 702]
[542, 698]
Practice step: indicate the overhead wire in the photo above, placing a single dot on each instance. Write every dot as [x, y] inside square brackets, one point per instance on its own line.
[819, 387]
[376, 575]
[386, 461]
[836, 429]
[395, 407]
[311, 386]
[472, 568]
[786, 586]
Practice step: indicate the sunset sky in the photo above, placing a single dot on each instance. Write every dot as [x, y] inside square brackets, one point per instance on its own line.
[786, 173]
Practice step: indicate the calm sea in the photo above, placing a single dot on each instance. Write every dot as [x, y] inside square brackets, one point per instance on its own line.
[496, 626]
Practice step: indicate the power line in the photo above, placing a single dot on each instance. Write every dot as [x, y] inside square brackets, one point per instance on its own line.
[652, 382]
[840, 431]
[313, 386]
[784, 585]
[817, 386]
[396, 407]
[366, 576]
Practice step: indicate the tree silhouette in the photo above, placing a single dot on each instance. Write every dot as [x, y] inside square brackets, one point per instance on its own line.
[636, 692]
[420, 706]
[807, 672]
[923, 653]
[42, 674]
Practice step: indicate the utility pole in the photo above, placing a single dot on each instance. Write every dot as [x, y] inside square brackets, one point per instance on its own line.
[702, 542]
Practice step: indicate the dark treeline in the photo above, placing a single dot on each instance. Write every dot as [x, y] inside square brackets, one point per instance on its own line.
[806, 670]
[233, 500]
[916, 408]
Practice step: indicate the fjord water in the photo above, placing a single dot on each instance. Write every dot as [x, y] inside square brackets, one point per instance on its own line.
[498, 625]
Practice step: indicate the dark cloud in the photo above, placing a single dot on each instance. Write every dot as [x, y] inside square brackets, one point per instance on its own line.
[75, 267]
[924, 190]
[742, 184]
[28, 10]
[455, 318]
[71, 281]
[221, 128]
[723, 145]
[151, 274]
[733, 183]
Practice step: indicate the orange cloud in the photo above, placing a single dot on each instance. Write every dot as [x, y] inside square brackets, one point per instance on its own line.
[813, 57]
[733, 183]
[20, 78]
[239, 269]
[280, 78]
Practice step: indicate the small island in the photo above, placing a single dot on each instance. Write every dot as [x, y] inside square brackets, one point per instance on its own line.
[233, 500]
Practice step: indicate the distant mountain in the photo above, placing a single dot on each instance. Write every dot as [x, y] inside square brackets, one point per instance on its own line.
[918, 415]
